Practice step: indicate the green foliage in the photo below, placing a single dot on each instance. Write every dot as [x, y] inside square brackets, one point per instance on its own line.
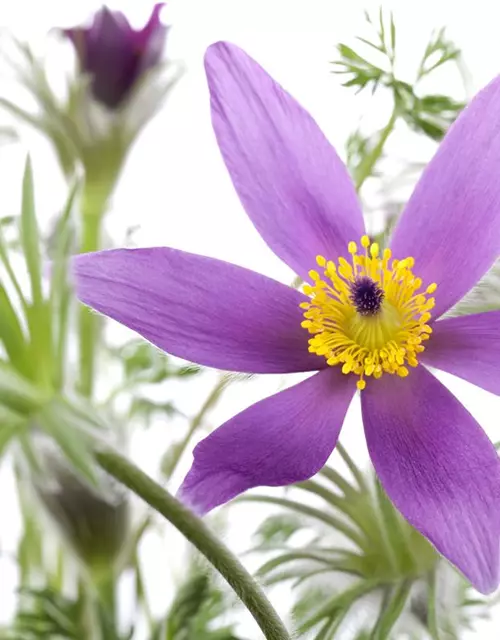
[195, 610]
[144, 363]
[484, 296]
[428, 114]
[361, 552]
[439, 51]
[33, 332]
[276, 530]
[45, 614]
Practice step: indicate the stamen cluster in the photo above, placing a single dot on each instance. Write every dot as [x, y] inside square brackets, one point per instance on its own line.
[370, 316]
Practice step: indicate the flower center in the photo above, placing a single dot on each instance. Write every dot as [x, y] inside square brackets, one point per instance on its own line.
[366, 296]
[369, 316]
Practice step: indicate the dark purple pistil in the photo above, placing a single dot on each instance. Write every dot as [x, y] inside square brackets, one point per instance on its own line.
[366, 296]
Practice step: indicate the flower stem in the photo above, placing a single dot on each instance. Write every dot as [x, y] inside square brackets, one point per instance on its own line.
[88, 322]
[366, 166]
[195, 530]
[105, 584]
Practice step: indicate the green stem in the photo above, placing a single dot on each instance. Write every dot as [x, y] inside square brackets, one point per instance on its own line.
[366, 166]
[89, 618]
[105, 584]
[195, 530]
[141, 593]
[88, 328]
[432, 618]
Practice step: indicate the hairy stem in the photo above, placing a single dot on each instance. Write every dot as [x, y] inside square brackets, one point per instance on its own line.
[195, 530]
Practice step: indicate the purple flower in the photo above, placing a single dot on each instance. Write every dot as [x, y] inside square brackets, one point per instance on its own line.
[115, 55]
[368, 320]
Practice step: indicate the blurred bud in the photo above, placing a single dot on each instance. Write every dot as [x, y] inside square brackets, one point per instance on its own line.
[121, 84]
[93, 520]
[115, 55]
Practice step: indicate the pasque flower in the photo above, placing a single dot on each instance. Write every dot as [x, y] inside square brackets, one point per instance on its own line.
[115, 55]
[368, 320]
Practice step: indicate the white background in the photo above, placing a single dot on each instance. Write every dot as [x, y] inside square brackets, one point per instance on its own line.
[176, 188]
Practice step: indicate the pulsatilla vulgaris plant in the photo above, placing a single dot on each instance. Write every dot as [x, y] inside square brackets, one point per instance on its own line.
[369, 321]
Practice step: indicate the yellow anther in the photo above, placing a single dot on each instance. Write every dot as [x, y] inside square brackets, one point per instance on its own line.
[431, 288]
[314, 275]
[402, 372]
[387, 254]
[347, 366]
[361, 384]
[321, 261]
[374, 249]
[365, 242]
[352, 248]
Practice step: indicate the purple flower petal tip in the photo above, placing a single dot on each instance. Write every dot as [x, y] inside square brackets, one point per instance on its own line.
[278, 441]
[439, 468]
[457, 199]
[291, 182]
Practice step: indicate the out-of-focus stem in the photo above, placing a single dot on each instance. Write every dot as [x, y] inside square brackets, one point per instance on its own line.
[88, 322]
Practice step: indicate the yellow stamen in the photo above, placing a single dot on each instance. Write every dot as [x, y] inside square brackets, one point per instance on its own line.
[369, 341]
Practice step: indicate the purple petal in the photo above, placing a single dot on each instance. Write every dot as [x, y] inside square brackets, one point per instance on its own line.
[111, 59]
[150, 40]
[439, 468]
[451, 225]
[277, 441]
[294, 187]
[200, 309]
[468, 347]
[79, 37]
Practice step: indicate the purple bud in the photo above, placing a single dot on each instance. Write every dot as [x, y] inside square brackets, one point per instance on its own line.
[115, 55]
